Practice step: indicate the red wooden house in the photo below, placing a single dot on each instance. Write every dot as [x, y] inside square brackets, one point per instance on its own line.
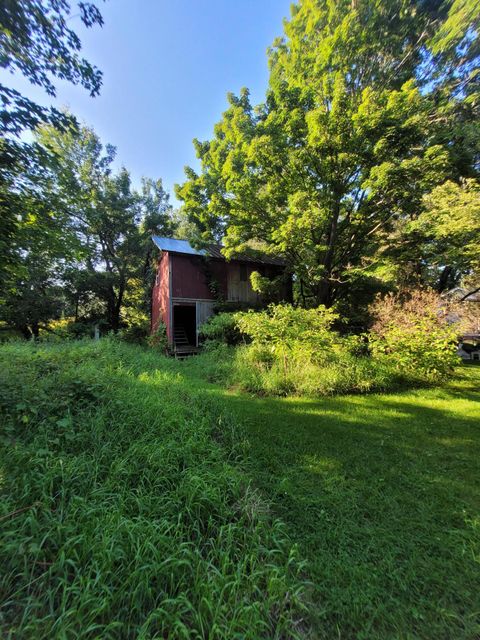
[189, 282]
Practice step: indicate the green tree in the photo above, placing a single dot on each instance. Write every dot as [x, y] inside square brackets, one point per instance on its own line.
[36, 41]
[111, 223]
[33, 292]
[357, 126]
[83, 244]
[449, 230]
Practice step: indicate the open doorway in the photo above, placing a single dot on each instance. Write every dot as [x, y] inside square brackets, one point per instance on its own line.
[184, 325]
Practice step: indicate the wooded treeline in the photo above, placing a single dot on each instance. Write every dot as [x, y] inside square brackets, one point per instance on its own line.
[361, 167]
[76, 234]
[362, 164]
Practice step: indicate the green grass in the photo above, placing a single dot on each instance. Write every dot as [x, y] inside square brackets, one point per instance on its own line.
[382, 494]
[125, 512]
[160, 505]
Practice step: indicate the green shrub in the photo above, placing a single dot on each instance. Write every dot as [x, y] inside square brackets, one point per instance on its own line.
[158, 339]
[413, 334]
[221, 329]
[77, 330]
[295, 350]
[69, 329]
[290, 350]
[283, 328]
[136, 333]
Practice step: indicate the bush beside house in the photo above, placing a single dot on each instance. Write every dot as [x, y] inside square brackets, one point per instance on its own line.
[286, 350]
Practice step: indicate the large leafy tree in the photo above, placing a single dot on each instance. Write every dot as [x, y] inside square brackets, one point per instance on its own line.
[32, 292]
[449, 233]
[110, 221]
[367, 111]
[83, 241]
[36, 40]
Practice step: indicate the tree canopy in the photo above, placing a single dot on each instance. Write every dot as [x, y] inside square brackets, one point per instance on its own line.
[36, 41]
[84, 244]
[370, 106]
[361, 167]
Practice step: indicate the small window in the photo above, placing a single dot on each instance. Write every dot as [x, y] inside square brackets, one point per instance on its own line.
[475, 356]
[243, 273]
[157, 279]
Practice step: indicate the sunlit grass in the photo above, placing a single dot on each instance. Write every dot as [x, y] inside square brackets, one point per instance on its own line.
[125, 510]
[141, 501]
[382, 494]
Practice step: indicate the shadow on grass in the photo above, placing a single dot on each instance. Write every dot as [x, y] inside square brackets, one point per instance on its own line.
[382, 494]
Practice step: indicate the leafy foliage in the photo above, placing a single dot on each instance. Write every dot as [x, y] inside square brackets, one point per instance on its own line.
[449, 229]
[158, 339]
[295, 350]
[282, 328]
[412, 330]
[86, 228]
[221, 328]
[36, 41]
[370, 106]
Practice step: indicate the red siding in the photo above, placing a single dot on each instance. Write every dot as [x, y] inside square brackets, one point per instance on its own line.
[184, 277]
[161, 295]
[190, 276]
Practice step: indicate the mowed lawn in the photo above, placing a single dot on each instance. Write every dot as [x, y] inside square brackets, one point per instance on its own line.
[382, 495]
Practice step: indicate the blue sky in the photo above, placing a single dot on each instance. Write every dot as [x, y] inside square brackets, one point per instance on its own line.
[167, 68]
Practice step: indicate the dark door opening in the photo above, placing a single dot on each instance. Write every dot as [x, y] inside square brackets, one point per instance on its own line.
[184, 325]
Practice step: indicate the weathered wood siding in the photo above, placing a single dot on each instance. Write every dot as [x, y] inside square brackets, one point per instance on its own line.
[238, 283]
[192, 275]
[161, 295]
[183, 279]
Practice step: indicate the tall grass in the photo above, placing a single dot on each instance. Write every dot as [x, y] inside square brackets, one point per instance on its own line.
[125, 511]
[285, 350]
[257, 370]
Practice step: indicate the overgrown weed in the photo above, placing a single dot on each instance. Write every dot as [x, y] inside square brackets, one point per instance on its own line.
[125, 509]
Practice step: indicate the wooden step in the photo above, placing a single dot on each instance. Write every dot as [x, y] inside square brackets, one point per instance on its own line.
[180, 338]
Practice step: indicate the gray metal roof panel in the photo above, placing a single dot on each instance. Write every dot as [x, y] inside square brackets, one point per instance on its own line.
[213, 251]
[177, 246]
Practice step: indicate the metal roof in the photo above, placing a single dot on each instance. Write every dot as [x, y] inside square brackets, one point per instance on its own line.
[213, 251]
[177, 246]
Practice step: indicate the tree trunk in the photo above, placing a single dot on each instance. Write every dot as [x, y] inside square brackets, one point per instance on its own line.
[117, 305]
[324, 289]
[26, 331]
[112, 317]
[324, 293]
[115, 321]
[444, 277]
